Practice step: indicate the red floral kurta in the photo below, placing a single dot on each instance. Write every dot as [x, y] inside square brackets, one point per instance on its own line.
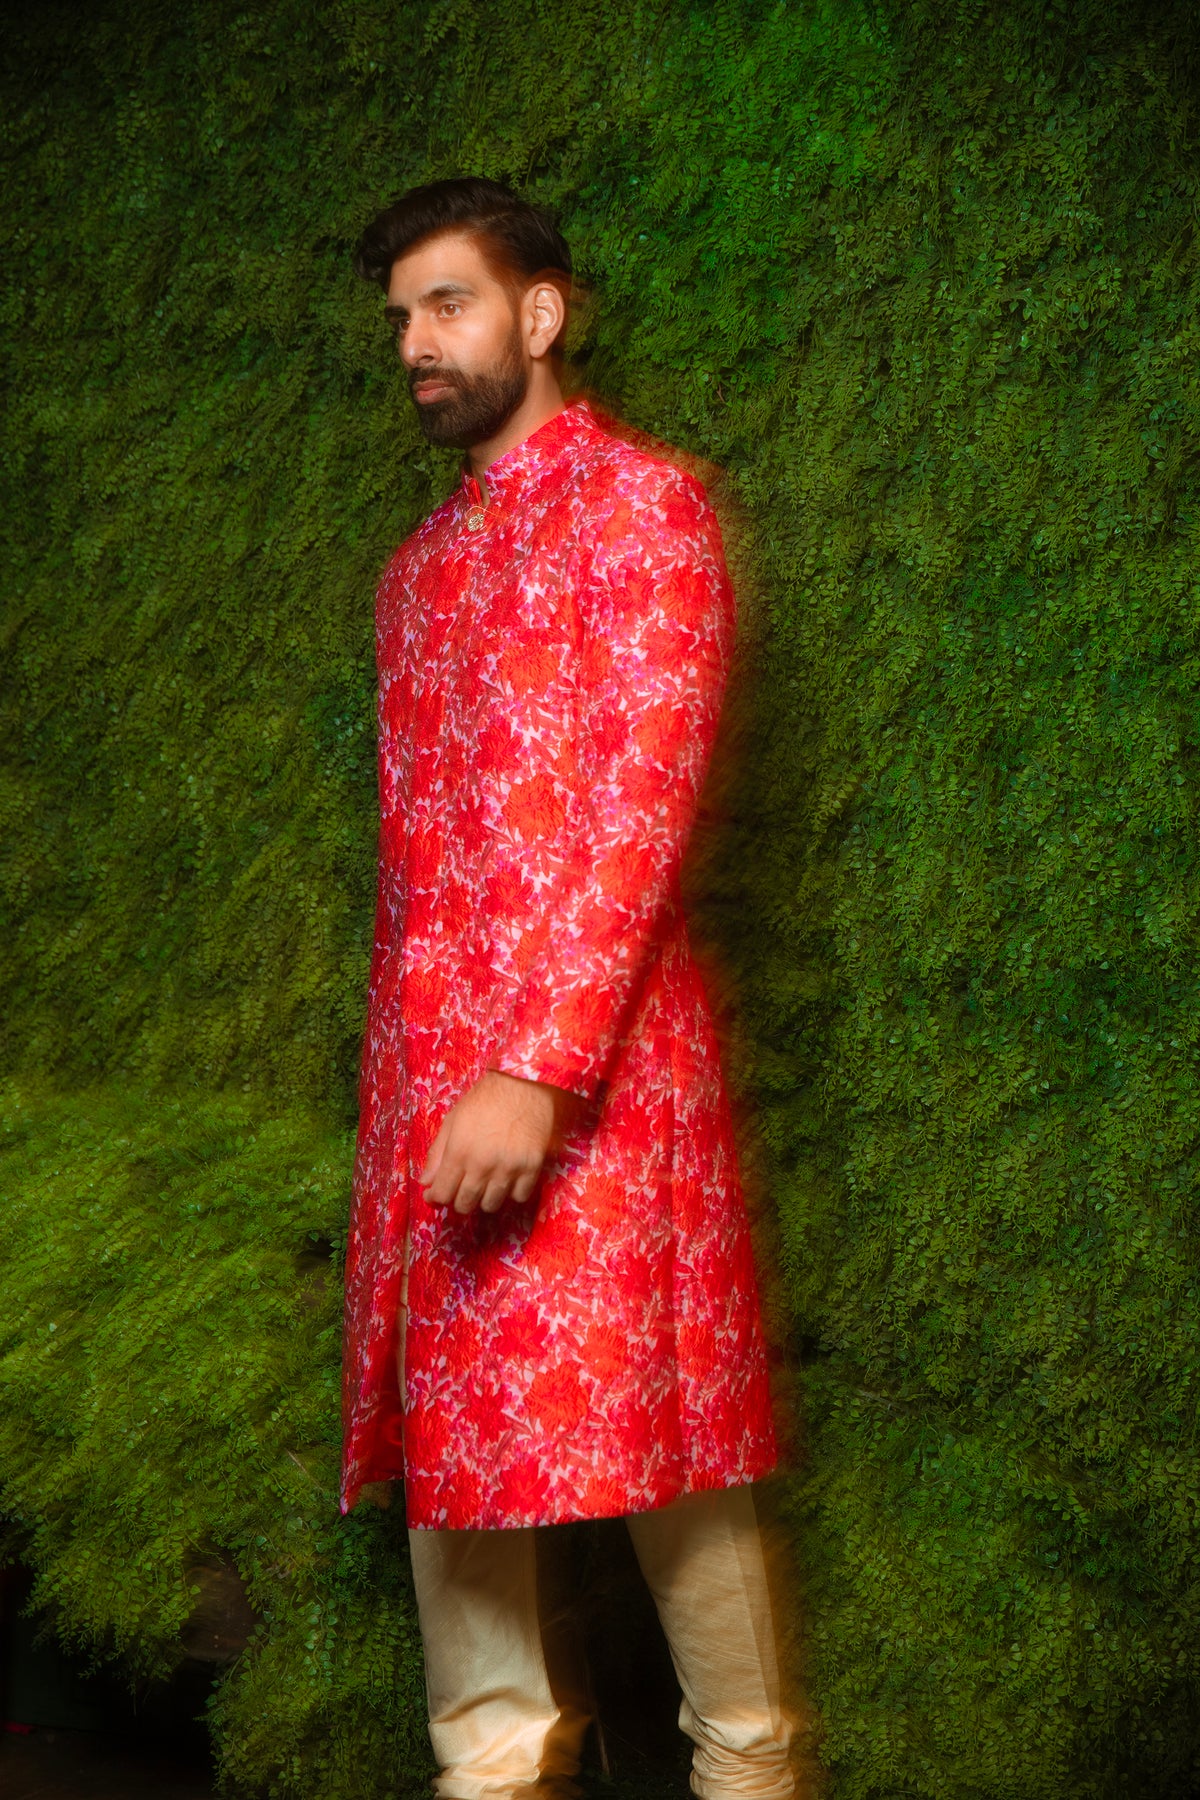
[550, 674]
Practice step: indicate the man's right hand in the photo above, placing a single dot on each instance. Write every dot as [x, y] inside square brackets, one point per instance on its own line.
[493, 1143]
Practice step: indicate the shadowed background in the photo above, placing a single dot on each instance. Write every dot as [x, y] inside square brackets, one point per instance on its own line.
[922, 279]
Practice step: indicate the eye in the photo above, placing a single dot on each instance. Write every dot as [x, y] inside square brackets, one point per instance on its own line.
[448, 308]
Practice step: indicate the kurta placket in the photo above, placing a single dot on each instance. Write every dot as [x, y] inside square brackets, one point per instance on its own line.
[550, 667]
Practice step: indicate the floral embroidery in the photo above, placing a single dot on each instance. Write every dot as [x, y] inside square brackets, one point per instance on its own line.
[549, 685]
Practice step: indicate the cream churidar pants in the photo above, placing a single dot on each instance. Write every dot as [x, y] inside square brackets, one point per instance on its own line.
[493, 1720]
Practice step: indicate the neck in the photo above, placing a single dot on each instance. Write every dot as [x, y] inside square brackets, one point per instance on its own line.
[543, 401]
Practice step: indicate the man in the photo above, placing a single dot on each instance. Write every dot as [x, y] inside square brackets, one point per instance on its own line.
[551, 1311]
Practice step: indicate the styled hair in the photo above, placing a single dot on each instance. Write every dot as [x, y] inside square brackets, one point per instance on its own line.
[521, 240]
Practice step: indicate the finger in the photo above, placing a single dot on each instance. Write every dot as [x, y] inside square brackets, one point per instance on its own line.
[524, 1185]
[495, 1194]
[445, 1183]
[468, 1196]
[436, 1151]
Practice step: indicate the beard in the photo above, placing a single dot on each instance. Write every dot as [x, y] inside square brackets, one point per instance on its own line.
[479, 406]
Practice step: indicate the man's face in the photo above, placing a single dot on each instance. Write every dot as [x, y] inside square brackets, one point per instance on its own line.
[458, 330]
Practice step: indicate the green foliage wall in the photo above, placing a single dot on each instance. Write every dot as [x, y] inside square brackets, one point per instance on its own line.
[922, 278]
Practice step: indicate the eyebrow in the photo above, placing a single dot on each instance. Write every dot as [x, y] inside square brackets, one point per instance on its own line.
[445, 290]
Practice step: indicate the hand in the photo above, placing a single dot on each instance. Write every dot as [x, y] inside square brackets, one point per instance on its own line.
[493, 1143]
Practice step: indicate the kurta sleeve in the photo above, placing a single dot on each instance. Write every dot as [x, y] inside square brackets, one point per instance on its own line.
[655, 637]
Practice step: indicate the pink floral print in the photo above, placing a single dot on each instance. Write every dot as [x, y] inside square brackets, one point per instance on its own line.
[551, 666]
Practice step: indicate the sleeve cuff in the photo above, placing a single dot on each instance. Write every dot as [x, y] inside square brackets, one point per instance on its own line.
[575, 1074]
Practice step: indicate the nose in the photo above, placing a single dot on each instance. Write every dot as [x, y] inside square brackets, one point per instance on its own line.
[416, 346]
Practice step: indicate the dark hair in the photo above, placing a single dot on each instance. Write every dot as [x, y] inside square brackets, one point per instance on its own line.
[524, 240]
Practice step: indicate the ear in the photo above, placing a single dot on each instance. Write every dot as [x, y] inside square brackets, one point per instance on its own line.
[545, 313]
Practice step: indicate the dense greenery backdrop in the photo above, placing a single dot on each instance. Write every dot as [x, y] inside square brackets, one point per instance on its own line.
[922, 278]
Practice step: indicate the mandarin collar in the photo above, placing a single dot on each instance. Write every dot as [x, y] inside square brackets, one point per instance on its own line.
[510, 473]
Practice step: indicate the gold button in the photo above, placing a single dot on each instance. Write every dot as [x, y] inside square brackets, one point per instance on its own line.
[475, 519]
